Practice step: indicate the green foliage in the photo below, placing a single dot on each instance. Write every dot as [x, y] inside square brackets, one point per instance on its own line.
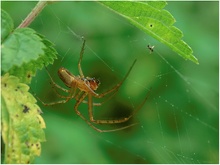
[7, 25]
[21, 122]
[21, 46]
[172, 129]
[155, 21]
[24, 51]
[27, 70]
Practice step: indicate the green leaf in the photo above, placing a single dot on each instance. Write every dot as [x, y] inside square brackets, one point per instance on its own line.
[27, 70]
[21, 46]
[21, 122]
[7, 25]
[155, 21]
[24, 51]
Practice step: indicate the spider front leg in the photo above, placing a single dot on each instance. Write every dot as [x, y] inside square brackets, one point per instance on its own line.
[117, 86]
[80, 58]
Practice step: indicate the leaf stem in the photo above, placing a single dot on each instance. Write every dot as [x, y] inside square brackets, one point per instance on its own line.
[33, 14]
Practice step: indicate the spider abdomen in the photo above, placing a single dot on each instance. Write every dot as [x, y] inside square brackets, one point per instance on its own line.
[66, 77]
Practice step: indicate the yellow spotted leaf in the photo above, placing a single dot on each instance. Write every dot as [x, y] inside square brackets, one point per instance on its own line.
[22, 125]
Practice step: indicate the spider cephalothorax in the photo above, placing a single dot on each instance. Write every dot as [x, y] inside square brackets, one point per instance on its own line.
[93, 83]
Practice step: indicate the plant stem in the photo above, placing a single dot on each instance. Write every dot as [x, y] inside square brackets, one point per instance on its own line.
[33, 14]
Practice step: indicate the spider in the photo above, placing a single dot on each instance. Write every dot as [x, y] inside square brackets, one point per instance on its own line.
[81, 87]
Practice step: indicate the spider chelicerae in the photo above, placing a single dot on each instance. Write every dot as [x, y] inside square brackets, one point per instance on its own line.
[81, 87]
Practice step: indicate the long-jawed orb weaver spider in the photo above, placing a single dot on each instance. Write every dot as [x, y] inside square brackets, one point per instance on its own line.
[81, 87]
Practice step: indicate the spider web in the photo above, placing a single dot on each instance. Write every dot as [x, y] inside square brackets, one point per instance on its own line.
[177, 124]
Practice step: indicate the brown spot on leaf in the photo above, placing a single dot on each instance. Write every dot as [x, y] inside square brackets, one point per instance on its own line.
[29, 75]
[26, 109]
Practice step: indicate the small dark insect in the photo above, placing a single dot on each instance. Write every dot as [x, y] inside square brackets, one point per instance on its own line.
[151, 48]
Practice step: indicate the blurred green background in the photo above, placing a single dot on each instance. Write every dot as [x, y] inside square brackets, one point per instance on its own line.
[179, 123]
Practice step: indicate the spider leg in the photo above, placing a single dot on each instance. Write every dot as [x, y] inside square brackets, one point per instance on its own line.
[113, 121]
[141, 104]
[54, 103]
[67, 98]
[54, 84]
[68, 91]
[116, 121]
[80, 115]
[80, 59]
[117, 86]
[89, 123]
